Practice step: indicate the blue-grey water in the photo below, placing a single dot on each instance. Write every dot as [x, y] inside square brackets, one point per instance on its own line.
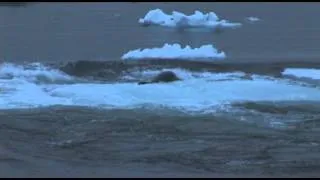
[105, 31]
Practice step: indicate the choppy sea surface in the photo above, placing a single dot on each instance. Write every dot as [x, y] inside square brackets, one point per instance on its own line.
[71, 107]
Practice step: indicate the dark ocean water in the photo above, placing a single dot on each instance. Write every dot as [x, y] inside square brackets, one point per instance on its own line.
[105, 31]
[79, 113]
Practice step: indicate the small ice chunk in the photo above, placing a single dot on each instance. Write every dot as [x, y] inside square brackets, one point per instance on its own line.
[253, 19]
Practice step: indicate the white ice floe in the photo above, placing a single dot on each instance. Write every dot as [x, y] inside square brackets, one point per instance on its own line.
[303, 73]
[178, 19]
[175, 51]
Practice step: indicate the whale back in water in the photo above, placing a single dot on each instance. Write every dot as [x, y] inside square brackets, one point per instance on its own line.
[165, 76]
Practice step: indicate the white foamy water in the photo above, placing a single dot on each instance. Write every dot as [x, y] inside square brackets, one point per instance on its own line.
[18, 86]
[303, 73]
[33, 72]
[197, 92]
[175, 51]
[18, 93]
[178, 19]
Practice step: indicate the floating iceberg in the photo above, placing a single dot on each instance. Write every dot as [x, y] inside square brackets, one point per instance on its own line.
[178, 19]
[175, 51]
